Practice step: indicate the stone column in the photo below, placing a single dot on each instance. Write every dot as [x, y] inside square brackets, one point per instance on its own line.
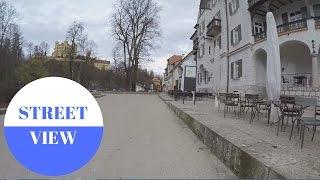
[315, 71]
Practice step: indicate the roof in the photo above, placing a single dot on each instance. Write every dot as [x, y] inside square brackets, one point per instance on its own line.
[175, 59]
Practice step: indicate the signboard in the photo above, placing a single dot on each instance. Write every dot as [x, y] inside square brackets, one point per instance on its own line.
[191, 71]
[190, 78]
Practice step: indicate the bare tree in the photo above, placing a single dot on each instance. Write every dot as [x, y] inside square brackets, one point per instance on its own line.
[75, 35]
[8, 18]
[135, 25]
[30, 49]
[90, 49]
[87, 50]
[44, 48]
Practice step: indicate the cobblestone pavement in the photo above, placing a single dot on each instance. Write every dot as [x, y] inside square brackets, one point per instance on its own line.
[143, 139]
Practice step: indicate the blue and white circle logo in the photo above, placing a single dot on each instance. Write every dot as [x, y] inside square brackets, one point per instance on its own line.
[53, 126]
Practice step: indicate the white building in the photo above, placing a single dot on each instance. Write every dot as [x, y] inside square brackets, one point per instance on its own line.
[171, 78]
[230, 44]
[180, 73]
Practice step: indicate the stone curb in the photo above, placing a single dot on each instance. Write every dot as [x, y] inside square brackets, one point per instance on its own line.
[142, 93]
[237, 160]
[98, 96]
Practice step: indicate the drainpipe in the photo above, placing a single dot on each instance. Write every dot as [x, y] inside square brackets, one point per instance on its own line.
[228, 46]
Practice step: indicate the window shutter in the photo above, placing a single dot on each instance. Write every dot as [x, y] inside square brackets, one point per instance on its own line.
[238, 5]
[232, 37]
[239, 33]
[240, 69]
[230, 8]
[232, 70]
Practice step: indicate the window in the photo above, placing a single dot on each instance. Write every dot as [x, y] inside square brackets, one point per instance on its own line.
[209, 50]
[202, 27]
[316, 10]
[258, 28]
[236, 69]
[233, 6]
[202, 50]
[295, 16]
[209, 4]
[214, 2]
[236, 35]
[217, 42]
[199, 78]
[206, 77]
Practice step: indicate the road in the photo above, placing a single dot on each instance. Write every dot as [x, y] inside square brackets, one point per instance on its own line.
[142, 139]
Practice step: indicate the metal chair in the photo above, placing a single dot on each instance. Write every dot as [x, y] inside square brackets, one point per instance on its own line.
[288, 109]
[232, 101]
[221, 99]
[306, 122]
[249, 104]
[263, 106]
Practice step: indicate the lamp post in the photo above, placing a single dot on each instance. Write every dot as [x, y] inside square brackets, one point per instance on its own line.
[195, 91]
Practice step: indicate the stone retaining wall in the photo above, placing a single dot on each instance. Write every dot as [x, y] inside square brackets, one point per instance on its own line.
[239, 161]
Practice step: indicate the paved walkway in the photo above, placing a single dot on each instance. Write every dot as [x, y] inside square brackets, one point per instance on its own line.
[143, 139]
[260, 140]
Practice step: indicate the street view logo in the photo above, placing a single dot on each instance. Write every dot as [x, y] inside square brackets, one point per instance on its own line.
[53, 126]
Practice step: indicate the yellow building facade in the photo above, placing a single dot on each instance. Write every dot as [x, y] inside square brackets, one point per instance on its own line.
[61, 50]
[102, 65]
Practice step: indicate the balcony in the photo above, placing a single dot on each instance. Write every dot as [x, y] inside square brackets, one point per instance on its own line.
[261, 7]
[214, 27]
[255, 3]
[260, 36]
[286, 29]
[292, 26]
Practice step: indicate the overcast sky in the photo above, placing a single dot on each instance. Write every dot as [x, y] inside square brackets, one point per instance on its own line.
[48, 20]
